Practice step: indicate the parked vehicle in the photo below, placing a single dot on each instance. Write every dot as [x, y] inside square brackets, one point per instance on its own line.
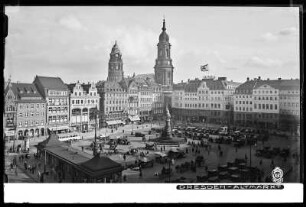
[139, 134]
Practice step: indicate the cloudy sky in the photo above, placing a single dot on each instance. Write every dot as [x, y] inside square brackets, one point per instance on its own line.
[74, 42]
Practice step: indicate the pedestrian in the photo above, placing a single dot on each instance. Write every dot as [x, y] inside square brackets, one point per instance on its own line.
[124, 157]
[192, 150]
[161, 149]
[164, 148]
[124, 178]
[186, 150]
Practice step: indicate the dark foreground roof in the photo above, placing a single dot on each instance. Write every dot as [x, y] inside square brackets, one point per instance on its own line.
[100, 164]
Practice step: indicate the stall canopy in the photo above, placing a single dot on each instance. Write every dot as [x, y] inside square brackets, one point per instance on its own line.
[134, 118]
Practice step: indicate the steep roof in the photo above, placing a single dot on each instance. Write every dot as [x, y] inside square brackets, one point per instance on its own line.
[285, 84]
[25, 90]
[215, 84]
[55, 83]
[193, 85]
[246, 87]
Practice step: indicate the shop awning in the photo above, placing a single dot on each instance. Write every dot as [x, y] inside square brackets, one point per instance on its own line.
[113, 122]
[58, 128]
[134, 118]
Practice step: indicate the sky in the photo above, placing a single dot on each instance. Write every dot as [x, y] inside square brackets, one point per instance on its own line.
[74, 43]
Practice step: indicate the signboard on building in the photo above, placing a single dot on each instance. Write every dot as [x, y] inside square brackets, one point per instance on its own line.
[9, 133]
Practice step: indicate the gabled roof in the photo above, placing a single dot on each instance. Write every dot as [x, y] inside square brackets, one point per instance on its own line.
[55, 83]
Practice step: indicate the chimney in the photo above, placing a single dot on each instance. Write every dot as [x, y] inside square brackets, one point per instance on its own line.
[279, 78]
[268, 78]
[181, 81]
[248, 78]
[188, 80]
[258, 77]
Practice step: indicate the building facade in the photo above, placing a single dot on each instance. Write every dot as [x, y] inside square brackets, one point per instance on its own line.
[56, 94]
[113, 104]
[273, 104]
[30, 110]
[10, 112]
[84, 100]
[207, 101]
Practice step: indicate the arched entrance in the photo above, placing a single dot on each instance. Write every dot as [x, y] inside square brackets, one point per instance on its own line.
[32, 132]
[20, 133]
[42, 131]
[37, 132]
[26, 133]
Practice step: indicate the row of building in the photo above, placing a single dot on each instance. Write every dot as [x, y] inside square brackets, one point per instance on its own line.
[257, 102]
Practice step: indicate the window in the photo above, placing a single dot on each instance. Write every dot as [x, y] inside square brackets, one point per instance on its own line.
[72, 101]
[259, 106]
[275, 106]
[267, 106]
[271, 106]
[255, 106]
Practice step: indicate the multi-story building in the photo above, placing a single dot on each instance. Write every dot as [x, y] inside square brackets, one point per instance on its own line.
[132, 99]
[56, 94]
[145, 101]
[262, 103]
[84, 101]
[206, 100]
[113, 104]
[30, 109]
[10, 112]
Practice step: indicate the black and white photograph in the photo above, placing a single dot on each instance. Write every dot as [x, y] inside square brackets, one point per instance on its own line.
[168, 95]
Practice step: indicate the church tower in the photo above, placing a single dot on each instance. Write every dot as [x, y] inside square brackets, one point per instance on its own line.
[163, 65]
[115, 65]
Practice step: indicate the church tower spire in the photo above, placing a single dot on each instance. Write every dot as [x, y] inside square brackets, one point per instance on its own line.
[115, 65]
[163, 65]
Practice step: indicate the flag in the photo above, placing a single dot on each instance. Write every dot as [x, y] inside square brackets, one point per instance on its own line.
[204, 67]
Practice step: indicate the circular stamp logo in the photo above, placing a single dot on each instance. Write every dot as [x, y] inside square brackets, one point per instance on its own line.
[277, 175]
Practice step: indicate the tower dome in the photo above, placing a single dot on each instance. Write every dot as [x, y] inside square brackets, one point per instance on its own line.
[164, 37]
[115, 49]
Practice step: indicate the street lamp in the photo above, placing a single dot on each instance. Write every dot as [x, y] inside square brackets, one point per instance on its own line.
[96, 111]
[170, 161]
